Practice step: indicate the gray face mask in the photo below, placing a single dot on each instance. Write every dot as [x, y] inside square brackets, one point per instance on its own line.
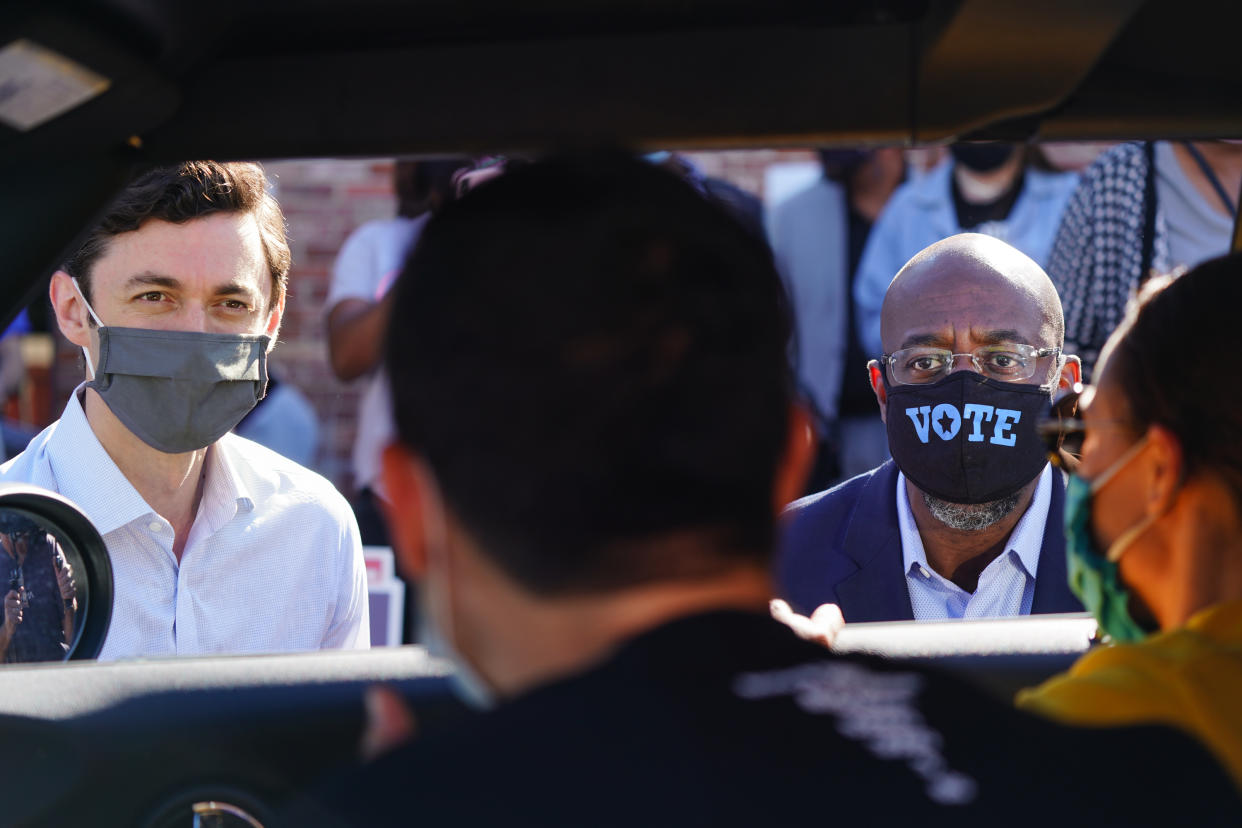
[178, 391]
[466, 683]
[439, 643]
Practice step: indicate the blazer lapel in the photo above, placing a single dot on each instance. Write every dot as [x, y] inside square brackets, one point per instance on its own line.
[877, 591]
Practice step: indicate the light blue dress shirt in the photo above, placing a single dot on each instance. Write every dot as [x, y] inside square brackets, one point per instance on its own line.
[1006, 586]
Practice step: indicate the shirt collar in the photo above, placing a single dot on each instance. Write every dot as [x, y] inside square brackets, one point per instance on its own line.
[223, 478]
[912, 551]
[87, 475]
[1025, 541]
[1027, 538]
[224, 494]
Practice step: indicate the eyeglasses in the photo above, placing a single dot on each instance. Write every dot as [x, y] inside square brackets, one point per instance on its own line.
[1010, 362]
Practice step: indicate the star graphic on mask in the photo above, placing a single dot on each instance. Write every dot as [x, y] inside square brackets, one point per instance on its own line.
[945, 423]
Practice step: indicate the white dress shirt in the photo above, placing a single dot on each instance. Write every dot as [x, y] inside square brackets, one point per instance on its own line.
[273, 562]
[1006, 585]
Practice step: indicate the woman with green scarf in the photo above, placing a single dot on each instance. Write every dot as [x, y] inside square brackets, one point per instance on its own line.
[1154, 518]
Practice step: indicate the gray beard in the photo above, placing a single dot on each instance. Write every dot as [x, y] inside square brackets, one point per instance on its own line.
[970, 517]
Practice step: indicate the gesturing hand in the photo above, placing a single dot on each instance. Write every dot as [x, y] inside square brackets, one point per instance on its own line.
[389, 722]
[822, 627]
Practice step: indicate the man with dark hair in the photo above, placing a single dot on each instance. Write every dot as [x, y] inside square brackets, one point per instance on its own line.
[217, 544]
[966, 520]
[596, 429]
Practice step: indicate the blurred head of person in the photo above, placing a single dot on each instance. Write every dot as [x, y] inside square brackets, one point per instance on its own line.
[1154, 514]
[869, 175]
[423, 186]
[983, 157]
[984, 171]
[594, 411]
[840, 164]
[1067, 156]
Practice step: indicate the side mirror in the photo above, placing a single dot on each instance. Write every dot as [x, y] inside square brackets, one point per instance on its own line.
[55, 578]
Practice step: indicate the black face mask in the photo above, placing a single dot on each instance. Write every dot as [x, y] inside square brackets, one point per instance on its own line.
[982, 158]
[967, 438]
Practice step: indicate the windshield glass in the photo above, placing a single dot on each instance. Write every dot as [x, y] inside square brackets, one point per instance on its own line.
[841, 223]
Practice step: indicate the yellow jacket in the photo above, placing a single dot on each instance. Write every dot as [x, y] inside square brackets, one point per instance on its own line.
[1190, 678]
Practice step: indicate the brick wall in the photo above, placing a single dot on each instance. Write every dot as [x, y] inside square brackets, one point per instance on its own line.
[745, 168]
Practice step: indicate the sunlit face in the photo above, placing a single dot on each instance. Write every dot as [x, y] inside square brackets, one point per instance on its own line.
[963, 314]
[956, 303]
[207, 275]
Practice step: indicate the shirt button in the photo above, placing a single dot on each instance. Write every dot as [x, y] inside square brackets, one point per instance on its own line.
[155, 527]
[926, 575]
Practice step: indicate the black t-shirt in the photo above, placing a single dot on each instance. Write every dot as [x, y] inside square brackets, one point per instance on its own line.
[728, 719]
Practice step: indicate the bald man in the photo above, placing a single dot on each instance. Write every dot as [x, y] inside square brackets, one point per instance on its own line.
[966, 520]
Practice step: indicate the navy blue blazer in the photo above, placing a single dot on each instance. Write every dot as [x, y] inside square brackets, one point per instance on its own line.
[843, 547]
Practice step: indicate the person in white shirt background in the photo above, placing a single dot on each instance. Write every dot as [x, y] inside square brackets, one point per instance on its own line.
[217, 544]
[357, 311]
